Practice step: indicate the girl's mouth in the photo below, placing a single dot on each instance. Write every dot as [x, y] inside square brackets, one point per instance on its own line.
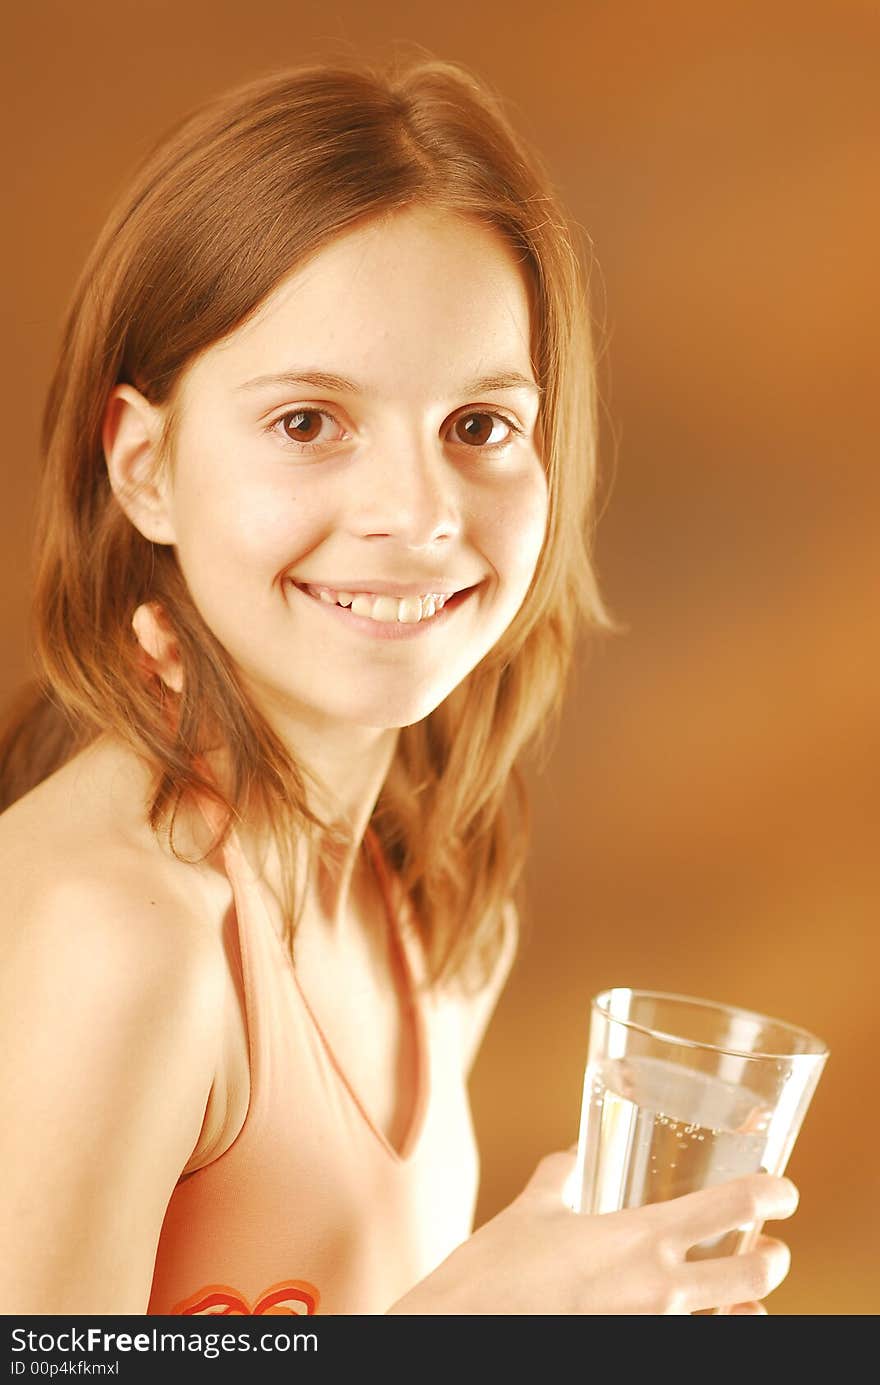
[387, 629]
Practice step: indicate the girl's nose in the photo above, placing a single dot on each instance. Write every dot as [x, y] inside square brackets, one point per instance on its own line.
[408, 490]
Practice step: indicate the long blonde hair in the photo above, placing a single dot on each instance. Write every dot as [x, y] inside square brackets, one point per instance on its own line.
[225, 206]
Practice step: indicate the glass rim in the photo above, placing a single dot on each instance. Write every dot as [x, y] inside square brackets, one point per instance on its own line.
[737, 1010]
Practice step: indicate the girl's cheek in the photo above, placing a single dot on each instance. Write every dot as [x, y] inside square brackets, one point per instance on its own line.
[267, 529]
[527, 524]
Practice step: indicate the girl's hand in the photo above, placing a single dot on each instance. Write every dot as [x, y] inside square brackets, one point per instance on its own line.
[537, 1256]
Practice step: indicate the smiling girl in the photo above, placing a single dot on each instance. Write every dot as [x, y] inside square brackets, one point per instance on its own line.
[314, 552]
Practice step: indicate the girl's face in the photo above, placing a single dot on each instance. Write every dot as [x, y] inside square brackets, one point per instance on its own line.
[370, 432]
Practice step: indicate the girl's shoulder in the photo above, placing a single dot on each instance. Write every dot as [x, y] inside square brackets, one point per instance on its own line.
[80, 841]
[110, 1021]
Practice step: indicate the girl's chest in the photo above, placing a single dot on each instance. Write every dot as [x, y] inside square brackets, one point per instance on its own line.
[357, 995]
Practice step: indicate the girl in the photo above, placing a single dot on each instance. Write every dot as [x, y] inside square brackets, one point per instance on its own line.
[313, 555]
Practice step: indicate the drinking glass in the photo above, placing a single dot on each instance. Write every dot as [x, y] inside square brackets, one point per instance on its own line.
[682, 1093]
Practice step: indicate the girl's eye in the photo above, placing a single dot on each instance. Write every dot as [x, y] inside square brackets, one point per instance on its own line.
[481, 429]
[305, 427]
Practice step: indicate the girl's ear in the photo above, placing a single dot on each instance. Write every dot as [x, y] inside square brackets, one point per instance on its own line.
[130, 433]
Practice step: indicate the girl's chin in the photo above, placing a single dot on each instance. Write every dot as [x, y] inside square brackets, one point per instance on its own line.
[378, 713]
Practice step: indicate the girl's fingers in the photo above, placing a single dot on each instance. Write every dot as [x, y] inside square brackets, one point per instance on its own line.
[734, 1279]
[741, 1308]
[710, 1212]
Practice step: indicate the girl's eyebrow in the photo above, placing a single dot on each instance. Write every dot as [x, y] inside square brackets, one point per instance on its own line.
[322, 379]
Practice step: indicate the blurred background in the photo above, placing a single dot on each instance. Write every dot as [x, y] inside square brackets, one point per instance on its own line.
[708, 821]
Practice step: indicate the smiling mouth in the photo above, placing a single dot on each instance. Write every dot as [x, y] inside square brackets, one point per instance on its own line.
[388, 614]
[384, 610]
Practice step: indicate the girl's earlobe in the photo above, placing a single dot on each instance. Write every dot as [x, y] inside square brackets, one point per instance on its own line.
[159, 651]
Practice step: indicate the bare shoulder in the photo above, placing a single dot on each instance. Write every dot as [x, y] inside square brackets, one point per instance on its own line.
[109, 1019]
[77, 850]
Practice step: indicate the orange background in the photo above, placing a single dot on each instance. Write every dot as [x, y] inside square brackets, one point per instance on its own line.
[708, 821]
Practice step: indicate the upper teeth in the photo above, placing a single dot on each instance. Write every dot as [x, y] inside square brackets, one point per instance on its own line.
[408, 609]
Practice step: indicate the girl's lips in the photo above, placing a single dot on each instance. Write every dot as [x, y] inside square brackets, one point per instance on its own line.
[388, 630]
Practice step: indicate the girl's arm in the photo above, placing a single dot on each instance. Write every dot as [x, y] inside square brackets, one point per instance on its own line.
[479, 1010]
[109, 1035]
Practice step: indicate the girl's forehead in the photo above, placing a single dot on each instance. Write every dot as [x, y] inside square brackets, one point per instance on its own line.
[420, 287]
[416, 241]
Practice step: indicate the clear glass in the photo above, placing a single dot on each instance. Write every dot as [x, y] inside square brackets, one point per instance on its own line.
[681, 1094]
